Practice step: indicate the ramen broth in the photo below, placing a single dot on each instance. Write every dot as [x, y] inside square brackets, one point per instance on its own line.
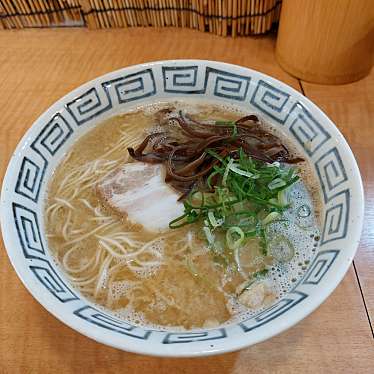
[167, 279]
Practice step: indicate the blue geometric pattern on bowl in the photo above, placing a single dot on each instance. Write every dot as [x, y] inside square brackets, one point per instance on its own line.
[195, 80]
[270, 100]
[101, 319]
[186, 80]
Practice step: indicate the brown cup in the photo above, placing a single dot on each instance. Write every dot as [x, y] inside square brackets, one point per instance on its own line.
[326, 41]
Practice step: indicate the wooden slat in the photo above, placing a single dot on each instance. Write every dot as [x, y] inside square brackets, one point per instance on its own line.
[131, 13]
[33, 74]
[351, 107]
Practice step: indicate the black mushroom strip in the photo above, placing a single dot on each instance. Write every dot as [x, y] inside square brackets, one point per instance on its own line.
[189, 148]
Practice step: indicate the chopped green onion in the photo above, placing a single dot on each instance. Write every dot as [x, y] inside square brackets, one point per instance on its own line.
[237, 260]
[282, 198]
[233, 232]
[225, 123]
[261, 273]
[234, 167]
[246, 197]
[213, 221]
[263, 241]
[209, 235]
[281, 248]
[174, 223]
[250, 234]
[271, 217]
[290, 182]
[276, 183]
[226, 173]
[274, 201]
[215, 155]
[275, 164]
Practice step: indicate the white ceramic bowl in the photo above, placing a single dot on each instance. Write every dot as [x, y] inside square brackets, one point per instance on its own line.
[52, 134]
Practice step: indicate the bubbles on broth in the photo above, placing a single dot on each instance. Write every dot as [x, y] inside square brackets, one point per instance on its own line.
[282, 277]
[303, 233]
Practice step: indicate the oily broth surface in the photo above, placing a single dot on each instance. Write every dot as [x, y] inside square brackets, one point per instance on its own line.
[165, 292]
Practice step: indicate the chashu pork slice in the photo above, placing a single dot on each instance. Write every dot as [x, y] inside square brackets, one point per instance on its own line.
[138, 191]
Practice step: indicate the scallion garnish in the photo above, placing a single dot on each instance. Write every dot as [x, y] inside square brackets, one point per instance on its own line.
[234, 237]
[245, 196]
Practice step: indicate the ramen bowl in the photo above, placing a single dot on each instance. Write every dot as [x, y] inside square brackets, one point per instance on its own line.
[50, 137]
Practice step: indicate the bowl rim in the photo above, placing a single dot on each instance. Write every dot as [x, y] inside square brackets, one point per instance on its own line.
[149, 349]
